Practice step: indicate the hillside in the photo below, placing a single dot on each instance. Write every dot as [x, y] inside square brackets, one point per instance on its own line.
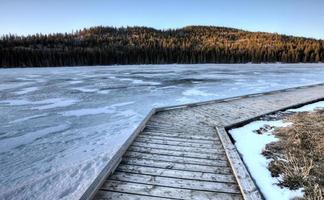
[142, 45]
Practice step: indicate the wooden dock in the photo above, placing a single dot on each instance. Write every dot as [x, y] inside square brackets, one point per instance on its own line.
[184, 152]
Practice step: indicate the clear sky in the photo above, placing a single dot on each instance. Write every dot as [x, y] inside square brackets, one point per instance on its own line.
[293, 17]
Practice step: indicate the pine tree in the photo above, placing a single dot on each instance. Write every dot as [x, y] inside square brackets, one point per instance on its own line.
[142, 45]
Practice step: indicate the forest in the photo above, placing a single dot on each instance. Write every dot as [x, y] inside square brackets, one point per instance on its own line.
[142, 45]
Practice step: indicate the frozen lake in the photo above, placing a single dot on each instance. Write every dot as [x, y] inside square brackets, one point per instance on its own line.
[60, 126]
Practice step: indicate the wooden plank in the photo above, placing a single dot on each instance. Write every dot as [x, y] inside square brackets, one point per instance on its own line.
[184, 140]
[247, 186]
[177, 143]
[176, 153]
[179, 135]
[181, 149]
[177, 159]
[194, 127]
[167, 192]
[210, 186]
[187, 131]
[177, 148]
[112, 195]
[178, 166]
[176, 127]
[172, 173]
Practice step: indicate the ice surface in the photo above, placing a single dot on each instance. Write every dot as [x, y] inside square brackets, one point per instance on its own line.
[27, 90]
[13, 142]
[95, 111]
[196, 92]
[250, 145]
[60, 126]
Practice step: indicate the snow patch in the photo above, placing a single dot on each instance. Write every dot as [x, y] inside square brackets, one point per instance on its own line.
[309, 107]
[250, 146]
[88, 111]
[27, 90]
[55, 103]
[6, 86]
[95, 111]
[16, 102]
[75, 82]
[196, 92]
[184, 100]
[49, 103]
[84, 89]
[28, 118]
[138, 81]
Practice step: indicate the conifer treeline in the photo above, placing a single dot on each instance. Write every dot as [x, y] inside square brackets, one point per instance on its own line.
[142, 45]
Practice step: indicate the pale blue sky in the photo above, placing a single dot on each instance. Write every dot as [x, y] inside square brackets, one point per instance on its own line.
[294, 17]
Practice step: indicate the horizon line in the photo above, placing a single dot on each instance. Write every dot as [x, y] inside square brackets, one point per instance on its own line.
[157, 29]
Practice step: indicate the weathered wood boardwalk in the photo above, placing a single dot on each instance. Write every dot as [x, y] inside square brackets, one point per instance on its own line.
[184, 152]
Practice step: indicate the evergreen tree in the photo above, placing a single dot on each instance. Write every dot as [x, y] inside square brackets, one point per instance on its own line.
[142, 45]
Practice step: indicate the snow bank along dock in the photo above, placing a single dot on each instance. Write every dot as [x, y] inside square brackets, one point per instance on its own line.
[184, 152]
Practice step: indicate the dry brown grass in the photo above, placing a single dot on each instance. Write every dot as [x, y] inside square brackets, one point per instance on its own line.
[298, 157]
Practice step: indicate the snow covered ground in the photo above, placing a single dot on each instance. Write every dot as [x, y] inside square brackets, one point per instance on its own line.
[250, 145]
[60, 126]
